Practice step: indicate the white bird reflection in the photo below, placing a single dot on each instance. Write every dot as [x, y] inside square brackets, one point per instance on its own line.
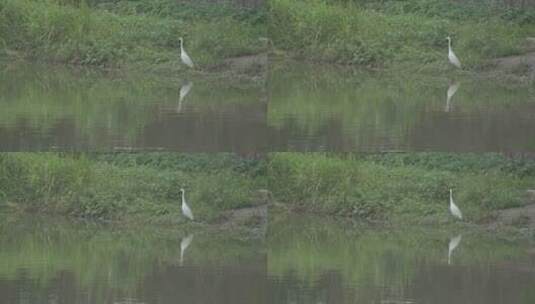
[184, 91]
[454, 242]
[452, 89]
[184, 244]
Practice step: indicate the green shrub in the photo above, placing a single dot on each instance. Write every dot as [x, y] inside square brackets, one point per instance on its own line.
[375, 33]
[35, 179]
[79, 186]
[148, 33]
[384, 186]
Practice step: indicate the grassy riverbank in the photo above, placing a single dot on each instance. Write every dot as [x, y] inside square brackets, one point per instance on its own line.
[406, 34]
[407, 186]
[144, 186]
[390, 33]
[128, 33]
[125, 187]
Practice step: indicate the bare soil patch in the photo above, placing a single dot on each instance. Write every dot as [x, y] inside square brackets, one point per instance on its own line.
[523, 64]
[521, 216]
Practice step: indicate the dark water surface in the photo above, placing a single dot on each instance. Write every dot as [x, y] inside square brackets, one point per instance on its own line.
[300, 108]
[51, 261]
[302, 260]
[326, 108]
[326, 262]
[47, 108]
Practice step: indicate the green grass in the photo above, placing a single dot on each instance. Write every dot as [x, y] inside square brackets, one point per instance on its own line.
[144, 186]
[127, 33]
[459, 163]
[392, 186]
[119, 33]
[83, 187]
[203, 162]
[411, 32]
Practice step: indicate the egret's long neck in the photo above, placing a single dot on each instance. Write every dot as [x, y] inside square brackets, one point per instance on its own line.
[449, 45]
[181, 46]
[451, 196]
[183, 199]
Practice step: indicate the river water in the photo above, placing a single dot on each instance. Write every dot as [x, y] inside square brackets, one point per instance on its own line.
[59, 261]
[300, 107]
[319, 261]
[300, 260]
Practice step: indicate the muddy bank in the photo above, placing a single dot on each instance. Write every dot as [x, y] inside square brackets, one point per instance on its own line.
[521, 66]
[521, 217]
[247, 68]
[254, 218]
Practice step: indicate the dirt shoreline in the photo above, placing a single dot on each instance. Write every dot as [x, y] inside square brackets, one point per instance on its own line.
[522, 65]
[521, 217]
[247, 68]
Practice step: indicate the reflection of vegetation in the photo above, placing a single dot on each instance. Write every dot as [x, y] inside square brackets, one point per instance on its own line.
[103, 258]
[385, 185]
[372, 106]
[128, 32]
[308, 248]
[382, 32]
[79, 186]
[43, 97]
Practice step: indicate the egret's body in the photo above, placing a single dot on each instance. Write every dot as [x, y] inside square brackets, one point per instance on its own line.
[454, 242]
[185, 208]
[452, 89]
[455, 211]
[184, 56]
[184, 244]
[184, 91]
[451, 55]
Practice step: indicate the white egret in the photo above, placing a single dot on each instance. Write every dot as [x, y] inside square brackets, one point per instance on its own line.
[451, 55]
[184, 244]
[454, 242]
[455, 211]
[184, 91]
[185, 208]
[452, 89]
[183, 55]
